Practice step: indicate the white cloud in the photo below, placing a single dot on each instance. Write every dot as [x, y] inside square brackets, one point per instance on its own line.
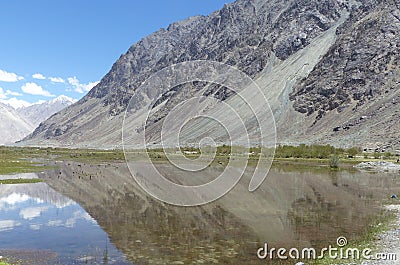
[38, 76]
[70, 222]
[16, 103]
[55, 223]
[8, 203]
[5, 94]
[35, 226]
[9, 77]
[40, 101]
[56, 80]
[32, 212]
[2, 94]
[13, 93]
[35, 89]
[81, 88]
[6, 225]
[19, 103]
[15, 198]
[13, 102]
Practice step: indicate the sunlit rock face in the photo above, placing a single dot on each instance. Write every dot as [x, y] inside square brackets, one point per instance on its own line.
[328, 68]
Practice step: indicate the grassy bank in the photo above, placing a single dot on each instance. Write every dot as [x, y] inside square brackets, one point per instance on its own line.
[302, 154]
[19, 181]
[377, 225]
[25, 160]
[28, 159]
[20, 160]
[10, 166]
[61, 154]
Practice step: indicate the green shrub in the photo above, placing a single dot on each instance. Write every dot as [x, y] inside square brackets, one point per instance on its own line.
[334, 161]
[352, 152]
[387, 155]
[306, 151]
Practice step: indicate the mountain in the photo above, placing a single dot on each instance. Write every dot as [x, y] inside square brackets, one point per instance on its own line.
[127, 213]
[37, 113]
[328, 68]
[13, 126]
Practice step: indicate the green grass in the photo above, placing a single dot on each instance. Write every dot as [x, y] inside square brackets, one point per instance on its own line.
[300, 153]
[20, 181]
[20, 160]
[9, 166]
[378, 225]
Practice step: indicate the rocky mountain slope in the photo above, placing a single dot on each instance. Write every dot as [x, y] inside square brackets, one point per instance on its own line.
[13, 126]
[353, 92]
[16, 124]
[37, 113]
[329, 68]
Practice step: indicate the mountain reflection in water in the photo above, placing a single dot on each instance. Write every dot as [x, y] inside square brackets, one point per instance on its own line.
[296, 206]
[40, 226]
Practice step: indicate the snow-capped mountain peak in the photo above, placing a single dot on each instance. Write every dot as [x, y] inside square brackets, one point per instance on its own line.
[17, 123]
[63, 100]
[39, 112]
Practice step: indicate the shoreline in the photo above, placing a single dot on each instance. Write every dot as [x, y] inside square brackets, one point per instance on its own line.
[388, 242]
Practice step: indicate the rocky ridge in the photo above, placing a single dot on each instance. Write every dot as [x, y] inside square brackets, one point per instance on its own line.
[336, 101]
[18, 123]
[13, 126]
[37, 113]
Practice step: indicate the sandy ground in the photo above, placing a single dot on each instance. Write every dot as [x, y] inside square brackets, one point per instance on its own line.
[389, 242]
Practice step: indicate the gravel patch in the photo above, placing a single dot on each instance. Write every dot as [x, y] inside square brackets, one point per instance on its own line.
[389, 241]
[379, 166]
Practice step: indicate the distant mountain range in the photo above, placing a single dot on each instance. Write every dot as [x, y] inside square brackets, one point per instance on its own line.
[330, 70]
[37, 113]
[15, 124]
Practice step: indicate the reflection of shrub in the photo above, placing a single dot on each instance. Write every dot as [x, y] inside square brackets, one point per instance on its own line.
[334, 161]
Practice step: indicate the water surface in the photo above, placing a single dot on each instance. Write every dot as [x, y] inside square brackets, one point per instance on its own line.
[41, 226]
[97, 214]
[297, 206]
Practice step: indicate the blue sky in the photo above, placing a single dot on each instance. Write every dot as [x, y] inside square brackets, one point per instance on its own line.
[50, 48]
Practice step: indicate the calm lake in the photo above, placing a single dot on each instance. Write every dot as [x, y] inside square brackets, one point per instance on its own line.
[97, 214]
